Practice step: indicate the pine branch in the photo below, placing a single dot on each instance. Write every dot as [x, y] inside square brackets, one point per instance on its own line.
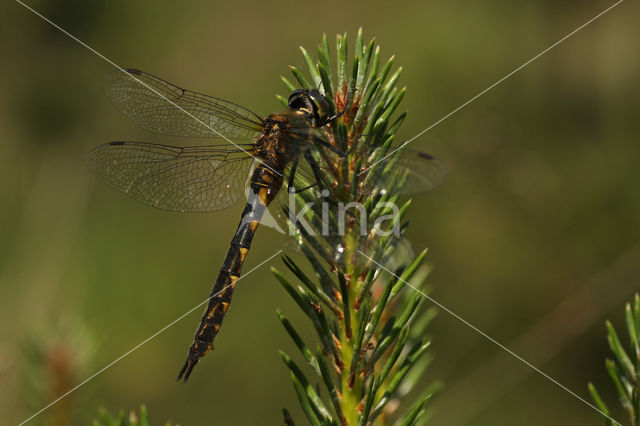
[134, 418]
[371, 347]
[623, 370]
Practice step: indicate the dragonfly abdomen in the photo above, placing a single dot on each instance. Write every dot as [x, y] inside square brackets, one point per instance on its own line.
[263, 190]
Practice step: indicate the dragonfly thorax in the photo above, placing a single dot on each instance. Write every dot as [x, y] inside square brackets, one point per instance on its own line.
[277, 144]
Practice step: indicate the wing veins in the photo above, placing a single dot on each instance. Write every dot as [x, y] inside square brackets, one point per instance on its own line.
[206, 116]
[196, 179]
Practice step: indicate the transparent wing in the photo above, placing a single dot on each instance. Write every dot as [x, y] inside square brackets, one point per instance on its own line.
[194, 179]
[162, 107]
[379, 165]
[425, 171]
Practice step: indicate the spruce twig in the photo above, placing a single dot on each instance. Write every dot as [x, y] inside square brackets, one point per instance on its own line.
[623, 369]
[140, 418]
[372, 349]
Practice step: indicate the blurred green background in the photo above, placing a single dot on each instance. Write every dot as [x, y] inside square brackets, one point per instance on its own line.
[534, 237]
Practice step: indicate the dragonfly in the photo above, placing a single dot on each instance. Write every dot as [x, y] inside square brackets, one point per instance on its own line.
[213, 177]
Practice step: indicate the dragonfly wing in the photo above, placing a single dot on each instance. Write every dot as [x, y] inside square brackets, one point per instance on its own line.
[159, 106]
[424, 171]
[194, 179]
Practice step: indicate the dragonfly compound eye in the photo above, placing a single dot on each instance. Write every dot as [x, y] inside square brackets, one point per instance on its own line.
[321, 105]
[299, 99]
[312, 103]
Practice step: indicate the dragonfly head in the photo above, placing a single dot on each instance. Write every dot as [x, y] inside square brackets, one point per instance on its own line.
[312, 104]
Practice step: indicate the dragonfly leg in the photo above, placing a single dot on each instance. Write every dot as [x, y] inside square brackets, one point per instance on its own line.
[330, 147]
[315, 168]
[298, 191]
[339, 114]
[291, 189]
[317, 173]
[292, 175]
